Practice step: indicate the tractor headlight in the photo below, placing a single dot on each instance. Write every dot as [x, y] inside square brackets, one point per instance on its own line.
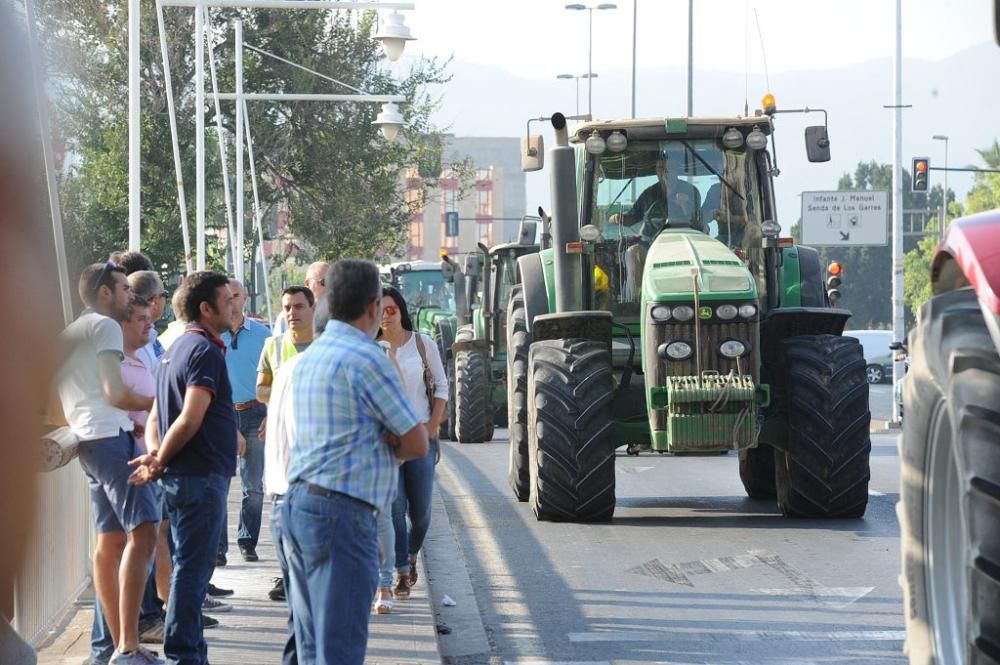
[683, 313]
[748, 311]
[660, 313]
[733, 348]
[726, 312]
[675, 351]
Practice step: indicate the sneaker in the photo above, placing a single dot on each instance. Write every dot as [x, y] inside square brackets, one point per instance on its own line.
[217, 592]
[215, 606]
[278, 591]
[208, 622]
[220, 560]
[249, 553]
[141, 656]
[153, 633]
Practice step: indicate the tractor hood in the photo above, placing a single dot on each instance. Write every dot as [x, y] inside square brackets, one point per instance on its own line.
[676, 253]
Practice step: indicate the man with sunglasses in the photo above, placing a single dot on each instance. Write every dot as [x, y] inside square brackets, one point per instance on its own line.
[315, 281]
[244, 344]
[96, 402]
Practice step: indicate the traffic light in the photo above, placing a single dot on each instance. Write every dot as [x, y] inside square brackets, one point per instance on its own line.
[921, 173]
[835, 274]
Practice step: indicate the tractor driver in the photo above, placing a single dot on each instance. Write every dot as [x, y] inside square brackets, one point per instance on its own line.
[668, 198]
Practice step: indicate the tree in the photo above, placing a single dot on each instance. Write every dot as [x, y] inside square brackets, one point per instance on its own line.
[326, 164]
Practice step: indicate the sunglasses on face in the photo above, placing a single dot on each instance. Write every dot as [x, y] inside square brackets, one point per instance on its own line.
[108, 267]
[391, 310]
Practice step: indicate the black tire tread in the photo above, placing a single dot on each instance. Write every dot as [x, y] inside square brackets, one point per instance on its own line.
[757, 472]
[518, 343]
[825, 472]
[473, 414]
[571, 451]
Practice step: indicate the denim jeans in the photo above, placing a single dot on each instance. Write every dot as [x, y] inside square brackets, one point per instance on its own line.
[194, 504]
[251, 476]
[416, 487]
[101, 645]
[332, 547]
[224, 530]
[387, 548]
[288, 655]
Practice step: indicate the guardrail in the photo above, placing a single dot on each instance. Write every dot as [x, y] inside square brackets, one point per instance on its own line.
[56, 567]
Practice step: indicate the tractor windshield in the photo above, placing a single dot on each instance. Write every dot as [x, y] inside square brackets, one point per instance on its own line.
[693, 183]
[427, 288]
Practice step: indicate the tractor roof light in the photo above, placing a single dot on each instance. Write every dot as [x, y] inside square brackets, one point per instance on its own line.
[732, 139]
[595, 144]
[756, 139]
[617, 142]
[770, 229]
[768, 104]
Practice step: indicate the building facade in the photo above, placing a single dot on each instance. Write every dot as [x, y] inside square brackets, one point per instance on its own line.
[489, 211]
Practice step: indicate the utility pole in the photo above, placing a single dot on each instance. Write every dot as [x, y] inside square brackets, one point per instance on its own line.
[134, 128]
[897, 200]
[635, 25]
[199, 144]
[690, 58]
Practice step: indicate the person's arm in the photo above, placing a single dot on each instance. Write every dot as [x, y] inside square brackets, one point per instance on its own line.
[109, 367]
[413, 444]
[151, 465]
[264, 381]
[152, 429]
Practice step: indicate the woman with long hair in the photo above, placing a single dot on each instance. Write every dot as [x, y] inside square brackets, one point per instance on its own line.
[416, 355]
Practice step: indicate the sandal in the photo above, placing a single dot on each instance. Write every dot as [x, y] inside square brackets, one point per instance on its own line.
[413, 576]
[383, 605]
[402, 590]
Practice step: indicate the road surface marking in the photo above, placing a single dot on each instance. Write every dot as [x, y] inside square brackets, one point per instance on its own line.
[874, 493]
[836, 597]
[747, 635]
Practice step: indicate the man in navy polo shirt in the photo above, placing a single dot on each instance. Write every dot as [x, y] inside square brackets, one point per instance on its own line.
[192, 452]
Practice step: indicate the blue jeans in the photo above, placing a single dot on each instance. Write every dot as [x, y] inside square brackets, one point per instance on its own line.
[416, 487]
[387, 548]
[101, 645]
[194, 504]
[224, 531]
[332, 547]
[251, 476]
[288, 655]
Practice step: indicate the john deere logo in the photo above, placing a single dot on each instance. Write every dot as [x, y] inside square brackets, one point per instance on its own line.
[705, 313]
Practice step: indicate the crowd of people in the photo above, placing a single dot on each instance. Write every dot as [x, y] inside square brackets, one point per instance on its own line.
[329, 413]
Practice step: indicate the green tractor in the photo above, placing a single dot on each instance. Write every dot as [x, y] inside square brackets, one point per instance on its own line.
[479, 354]
[437, 300]
[669, 315]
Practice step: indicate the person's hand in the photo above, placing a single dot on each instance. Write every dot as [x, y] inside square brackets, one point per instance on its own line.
[615, 218]
[433, 427]
[392, 440]
[241, 444]
[148, 469]
[262, 430]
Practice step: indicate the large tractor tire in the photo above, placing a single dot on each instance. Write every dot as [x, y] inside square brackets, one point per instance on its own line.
[444, 335]
[949, 510]
[825, 472]
[757, 471]
[571, 453]
[473, 415]
[518, 343]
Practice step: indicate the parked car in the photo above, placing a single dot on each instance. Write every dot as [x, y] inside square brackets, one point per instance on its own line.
[878, 356]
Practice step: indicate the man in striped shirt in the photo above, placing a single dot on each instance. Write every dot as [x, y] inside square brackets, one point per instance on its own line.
[352, 424]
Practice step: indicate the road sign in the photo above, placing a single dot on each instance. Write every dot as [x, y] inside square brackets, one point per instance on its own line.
[843, 219]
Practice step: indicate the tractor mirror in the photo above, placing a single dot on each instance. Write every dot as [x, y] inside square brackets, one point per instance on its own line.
[527, 232]
[532, 153]
[817, 144]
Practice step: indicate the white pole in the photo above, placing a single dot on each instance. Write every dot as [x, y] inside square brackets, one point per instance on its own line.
[199, 144]
[223, 157]
[37, 82]
[258, 219]
[897, 199]
[944, 220]
[635, 29]
[590, 62]
[171, 113]
[134, 129]
[690, 58]
[238, 253]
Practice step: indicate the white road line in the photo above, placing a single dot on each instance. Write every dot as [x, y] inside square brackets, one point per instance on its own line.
[746, 635]
[837, 597]
[874, 493]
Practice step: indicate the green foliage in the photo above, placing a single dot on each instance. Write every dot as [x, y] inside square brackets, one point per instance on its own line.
[325, 164]
[985, 193]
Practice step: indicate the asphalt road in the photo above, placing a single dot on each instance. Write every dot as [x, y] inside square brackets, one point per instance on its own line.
[689, 571]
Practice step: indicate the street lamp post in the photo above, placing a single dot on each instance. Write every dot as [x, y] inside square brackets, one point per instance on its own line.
[944, 217]
[574, 76]
[590, 46]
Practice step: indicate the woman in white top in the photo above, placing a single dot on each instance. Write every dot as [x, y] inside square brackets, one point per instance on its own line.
[426, 385]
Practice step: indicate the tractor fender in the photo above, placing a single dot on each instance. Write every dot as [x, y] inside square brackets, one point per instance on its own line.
[536, 300]
[812, 289]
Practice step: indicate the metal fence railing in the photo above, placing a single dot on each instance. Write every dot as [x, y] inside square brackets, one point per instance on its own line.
[56, 567]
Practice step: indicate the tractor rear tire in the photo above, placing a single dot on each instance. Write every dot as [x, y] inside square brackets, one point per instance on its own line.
[571, 452]
[949, 510]
[825, 471]
[757, 471]
[452, 412]
[473, 415]
[518, 343]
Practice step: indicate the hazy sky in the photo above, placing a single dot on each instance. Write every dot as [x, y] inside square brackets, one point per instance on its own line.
[539, 38]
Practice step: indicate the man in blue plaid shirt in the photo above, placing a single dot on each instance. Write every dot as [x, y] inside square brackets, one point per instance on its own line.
[353, 423]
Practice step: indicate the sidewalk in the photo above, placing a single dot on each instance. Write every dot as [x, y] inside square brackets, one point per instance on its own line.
[253, 633]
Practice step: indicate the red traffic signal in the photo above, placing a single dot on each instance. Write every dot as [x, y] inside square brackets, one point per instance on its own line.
[921, 173]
